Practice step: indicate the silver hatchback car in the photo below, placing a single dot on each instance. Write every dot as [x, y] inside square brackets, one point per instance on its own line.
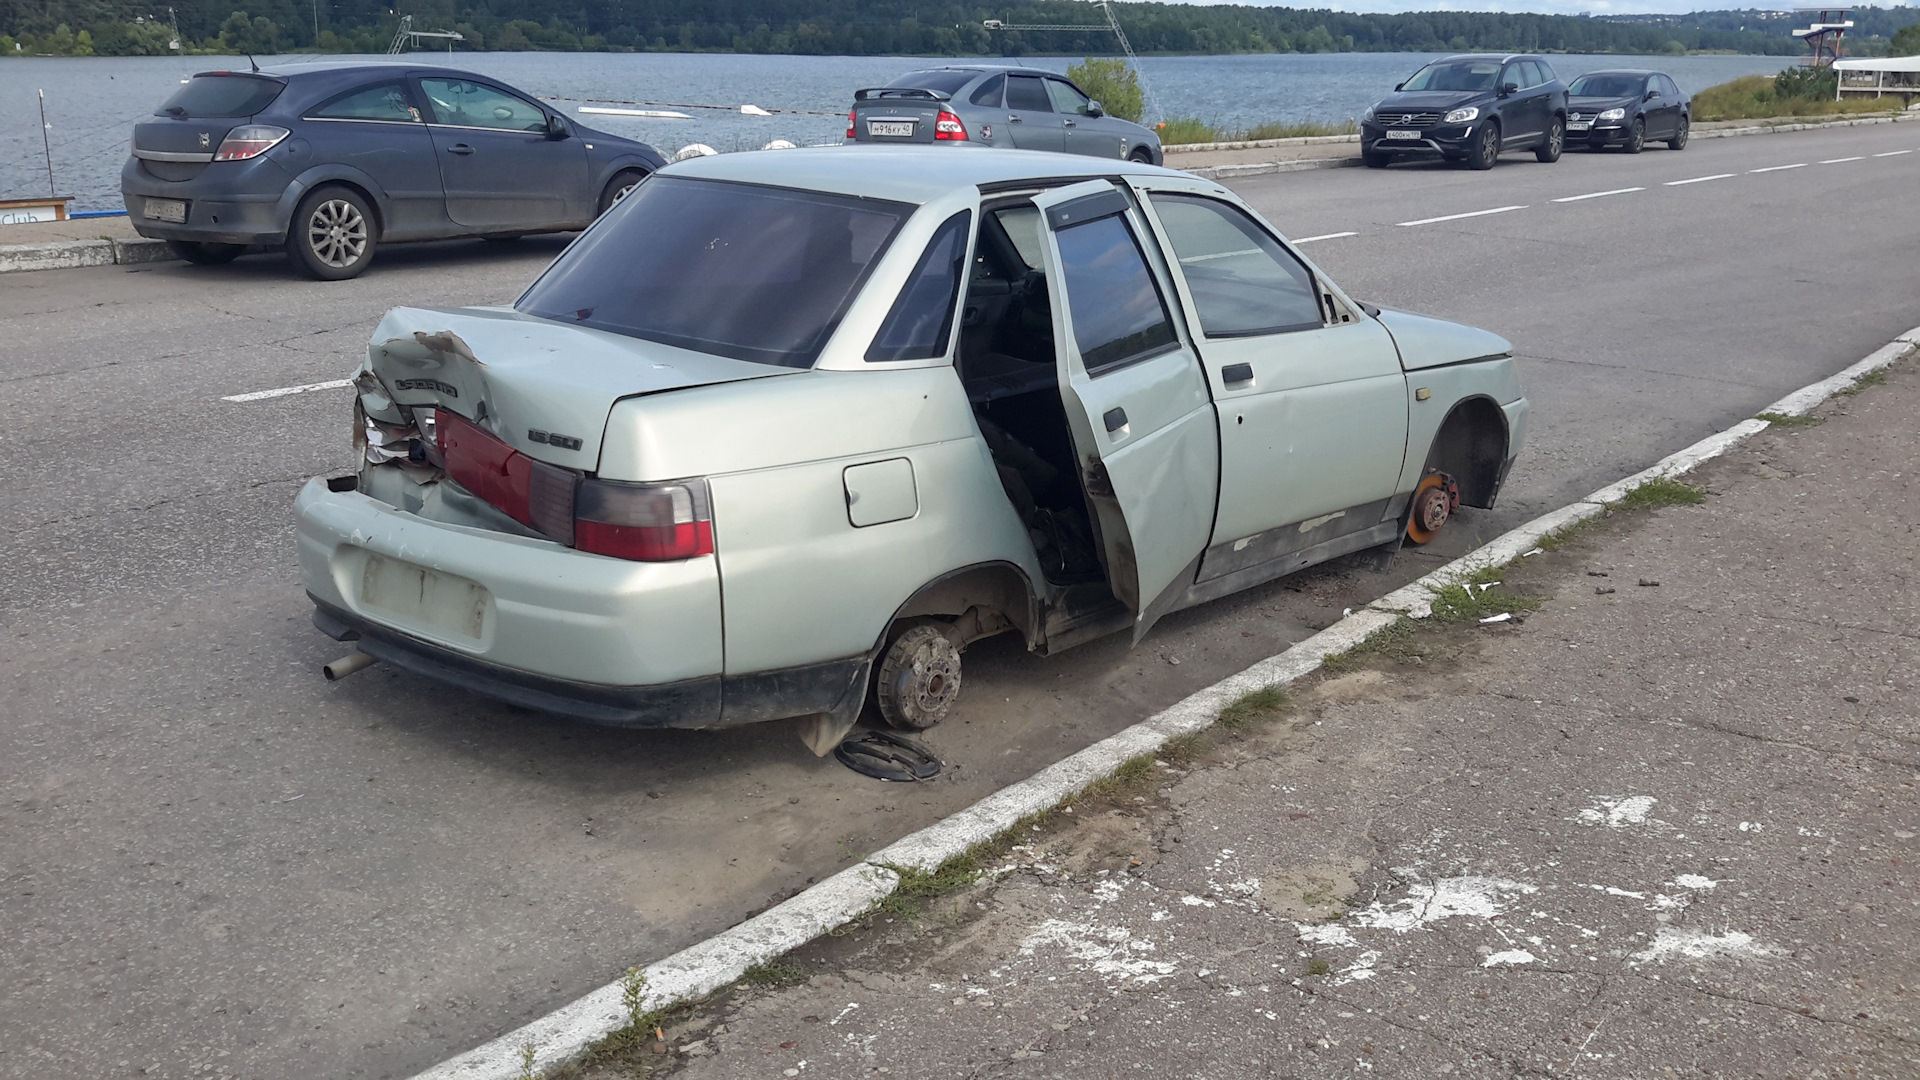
[996, 105]
[785, 431]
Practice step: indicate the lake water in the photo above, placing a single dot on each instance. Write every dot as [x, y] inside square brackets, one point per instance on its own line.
[92, 103]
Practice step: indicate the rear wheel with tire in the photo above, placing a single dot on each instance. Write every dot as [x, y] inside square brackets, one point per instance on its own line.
[201, 253]
[1549, 150]
[618, 188]
[1485, 148]
[1373, 160]
[918, 678]
[1679, 140]
[333, 235]
[1637, 137]
[1142, 155]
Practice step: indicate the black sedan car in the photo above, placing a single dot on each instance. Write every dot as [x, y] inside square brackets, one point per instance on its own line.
[1471, 109]
[333, 159]
[1627, 108]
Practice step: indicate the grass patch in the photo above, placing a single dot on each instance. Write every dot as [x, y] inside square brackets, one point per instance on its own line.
[1759, 97]
[1782, 420]
[909, 898]
[1317, 966]
[1567, 535]
[1179, 130]
[1469, 602]
[1876, 377]
[1663, 491]
[774, 974]
[1253, 705]
[1390, 641]
[1183, 750]
[1133, 777]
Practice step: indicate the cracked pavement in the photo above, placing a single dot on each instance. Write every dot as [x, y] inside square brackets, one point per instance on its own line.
[1664, 831]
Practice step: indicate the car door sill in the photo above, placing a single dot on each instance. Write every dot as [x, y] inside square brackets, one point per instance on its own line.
[1214, 588]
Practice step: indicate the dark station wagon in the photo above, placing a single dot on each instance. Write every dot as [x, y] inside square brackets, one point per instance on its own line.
[333, 159]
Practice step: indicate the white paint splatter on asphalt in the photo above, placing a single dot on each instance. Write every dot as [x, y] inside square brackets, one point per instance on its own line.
[1678, 942]
[1619, 813]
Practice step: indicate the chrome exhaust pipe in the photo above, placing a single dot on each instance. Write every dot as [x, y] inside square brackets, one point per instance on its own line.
[347, 665]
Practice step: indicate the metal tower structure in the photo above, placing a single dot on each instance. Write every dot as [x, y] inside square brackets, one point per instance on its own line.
[1113, 26]
[407, 37]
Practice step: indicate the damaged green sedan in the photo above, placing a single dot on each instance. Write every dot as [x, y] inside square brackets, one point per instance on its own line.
[784, 432]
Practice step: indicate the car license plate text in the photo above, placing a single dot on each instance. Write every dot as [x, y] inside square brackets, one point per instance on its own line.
[890, 128]
[1578, 125]
[166, 210]
[1403, 134]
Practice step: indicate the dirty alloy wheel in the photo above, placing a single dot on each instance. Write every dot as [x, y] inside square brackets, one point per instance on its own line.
[1679, 140]
[918, 679]
[619, 187]
[1548, 152]
[1434, 500]
[333, 234]
[1637, 138]
[1485, 148]
[201, 253]
[1142, 155]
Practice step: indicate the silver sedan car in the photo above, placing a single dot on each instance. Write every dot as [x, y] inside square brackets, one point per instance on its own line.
[784, 432]
[996, 105]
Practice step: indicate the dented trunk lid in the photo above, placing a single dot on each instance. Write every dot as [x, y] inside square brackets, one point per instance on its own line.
[543, 388]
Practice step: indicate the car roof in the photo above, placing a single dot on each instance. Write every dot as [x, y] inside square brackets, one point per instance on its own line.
[1502, 57]
[370, 67]
[991, 69]
[913, 174]
[1620, 71]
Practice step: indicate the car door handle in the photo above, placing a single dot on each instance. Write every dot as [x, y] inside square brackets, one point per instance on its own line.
[1115, 419]
[1237, 374]
[459, 148]
[1013, 119]
[1069, 123]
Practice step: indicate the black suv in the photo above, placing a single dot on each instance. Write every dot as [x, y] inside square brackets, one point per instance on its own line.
[1470, 108]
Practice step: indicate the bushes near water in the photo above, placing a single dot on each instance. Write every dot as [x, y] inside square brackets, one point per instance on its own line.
[1793, 92]
[1190, 129]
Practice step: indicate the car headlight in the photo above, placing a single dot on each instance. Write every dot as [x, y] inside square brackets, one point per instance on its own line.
[1613, 114]
[1367, 117]
[1461, 116]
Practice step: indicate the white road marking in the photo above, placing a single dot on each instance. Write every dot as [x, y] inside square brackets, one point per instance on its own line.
[1838, 160]
[262, 395]
[1599, 194]
[1893, 153]
[1324, 236]
[1700, 179]
[1777, 168]
[1457, 217]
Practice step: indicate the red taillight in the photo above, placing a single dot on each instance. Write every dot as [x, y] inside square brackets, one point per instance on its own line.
[643, 522]
[249, 141]
[948, 127]
[649, 522]
[853, 117]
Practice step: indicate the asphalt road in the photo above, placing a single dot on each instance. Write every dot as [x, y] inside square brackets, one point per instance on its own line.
[214, 863]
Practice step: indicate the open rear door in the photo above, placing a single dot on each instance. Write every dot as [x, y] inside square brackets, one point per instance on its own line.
[1143, 424]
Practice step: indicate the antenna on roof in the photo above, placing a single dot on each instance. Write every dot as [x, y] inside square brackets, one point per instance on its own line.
[252, 61]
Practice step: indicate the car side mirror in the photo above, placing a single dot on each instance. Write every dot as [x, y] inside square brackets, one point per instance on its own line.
[557, 128]
[1509, 89]
[1397, 86]
[1652, 94]
[1094, 109]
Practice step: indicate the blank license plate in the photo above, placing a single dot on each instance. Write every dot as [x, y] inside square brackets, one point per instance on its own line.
[1403, 134]
[166, 210]
[890, 128]
[1578, 125]
[425, 600]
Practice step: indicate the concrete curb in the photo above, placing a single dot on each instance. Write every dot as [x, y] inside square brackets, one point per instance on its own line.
[1775, 129]
[1258, 144]
[68, 254]
[561, 1036]
[1261, 168]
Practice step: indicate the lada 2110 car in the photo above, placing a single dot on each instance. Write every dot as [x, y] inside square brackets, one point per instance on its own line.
[784, 432]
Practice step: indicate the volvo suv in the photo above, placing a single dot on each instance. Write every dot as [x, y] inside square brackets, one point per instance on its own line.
[1471, 109]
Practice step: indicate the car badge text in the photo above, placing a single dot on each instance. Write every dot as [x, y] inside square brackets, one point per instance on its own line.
[551, 438]
[427, 384]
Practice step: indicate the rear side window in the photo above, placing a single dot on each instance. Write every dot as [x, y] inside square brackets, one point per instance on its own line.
[221, 94]
[940, 82]
[989, 93]
[1243, 282]
[1546, 71]
[1118, 315]
[741, 270]
[1025, 93]
[921, 321]
[386, 101]
[1667, 87]
[463, 103]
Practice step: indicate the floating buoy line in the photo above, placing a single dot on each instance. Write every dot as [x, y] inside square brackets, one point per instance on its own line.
[669, 110]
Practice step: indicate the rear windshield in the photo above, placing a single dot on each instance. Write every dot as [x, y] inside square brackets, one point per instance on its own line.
[940, 82]
[221, 94]
[1459, 75]
[1607, 86]
[741, 270]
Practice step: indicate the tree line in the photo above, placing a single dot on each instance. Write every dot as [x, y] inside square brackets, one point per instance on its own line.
[875, 27]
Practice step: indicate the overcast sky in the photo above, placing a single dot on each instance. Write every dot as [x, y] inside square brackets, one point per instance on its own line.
[1551, 7]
